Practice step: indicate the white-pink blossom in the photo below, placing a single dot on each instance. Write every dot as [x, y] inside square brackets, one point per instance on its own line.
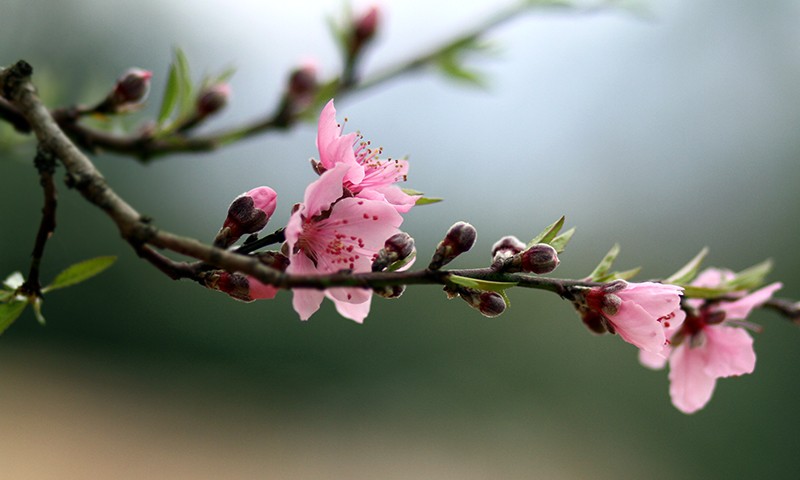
[708, 345]
[330, 232]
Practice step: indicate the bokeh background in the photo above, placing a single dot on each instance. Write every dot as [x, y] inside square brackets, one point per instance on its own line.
[666, 130]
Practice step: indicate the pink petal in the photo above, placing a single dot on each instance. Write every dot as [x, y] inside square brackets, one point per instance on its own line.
[260, 291]
[306, 301]
[651, 360]
[354, 311]
[690, 387]
[321, 193]
[728, 351]
[334, 148]
[712, 277]
[657, 299]
[391, 194]
[638, 327]
[740, 309]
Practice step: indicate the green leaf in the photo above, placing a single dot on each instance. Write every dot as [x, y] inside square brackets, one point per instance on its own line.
[624, 275]
[687, 273]
[750, 278]
[691, 291]
[186, 95]
[548, 234]
[428, 200]
[80, 272]
[604, 266]
[486, 285]
[402, 263]
[170, 95]
[451, 66]
[10, 312]
[411, 191]
[561, 241]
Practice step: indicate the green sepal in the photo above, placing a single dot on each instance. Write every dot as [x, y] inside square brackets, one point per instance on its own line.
[561, 241]
[750, 278]
[9, 312]
[548, 234]
[602, 268]
[80, 272]
[687, 273]
[486, 285]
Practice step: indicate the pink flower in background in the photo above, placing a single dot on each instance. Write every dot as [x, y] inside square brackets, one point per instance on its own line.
[370, 177]
[708, 347]
[639, 312]
[330, 232]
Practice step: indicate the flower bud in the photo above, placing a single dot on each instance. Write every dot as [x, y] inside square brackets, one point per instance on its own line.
[503, 251]
[594, 321]
[248, 213]
[213, 99]
[539, 259]
[303, 84]
[132, 87]
[396, 248]
[241, 287]
[459, 239]
[490, 304]
[365, 26]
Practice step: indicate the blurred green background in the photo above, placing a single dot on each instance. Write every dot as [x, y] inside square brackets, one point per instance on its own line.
[665, 132]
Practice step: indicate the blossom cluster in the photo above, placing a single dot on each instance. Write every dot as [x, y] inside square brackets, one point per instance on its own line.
[702, 340]
[344, 221]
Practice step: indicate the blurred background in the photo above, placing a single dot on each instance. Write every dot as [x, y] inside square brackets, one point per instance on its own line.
[665, 131]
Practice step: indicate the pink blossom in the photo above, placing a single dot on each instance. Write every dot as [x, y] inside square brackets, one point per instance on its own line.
[638, 312]
[707, 346]
[330, 232]
[370, 177]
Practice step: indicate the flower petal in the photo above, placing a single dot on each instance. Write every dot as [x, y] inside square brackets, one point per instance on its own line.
[636, 326]
[690, 387]
[728, 351]
[741, 308]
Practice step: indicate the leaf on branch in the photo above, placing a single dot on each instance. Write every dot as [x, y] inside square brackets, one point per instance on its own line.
[690, 291]
[452, 67]
[750, 278]
[421, 200]
[170, 95]
[80, 272]
[602, 268]
[186, 94]
[402, 263]
[625, 275]
[561, 241]
[9, 312]
[687, 273]
[548, 234]
[486, 285]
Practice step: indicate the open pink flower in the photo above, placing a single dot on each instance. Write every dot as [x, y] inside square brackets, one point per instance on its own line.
[638, 312]
[707, 346]
[370, 177]
[330, 232]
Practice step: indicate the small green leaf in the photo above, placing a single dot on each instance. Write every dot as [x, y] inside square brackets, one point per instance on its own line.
[548, 234]
[750, 278]
[428, 200]
[411, 191]
[691, 291]
[687, 273]
[186, 98]
[402, 263]
[80, 272]
[625, 275]
[170, 95]
[10, 312]
[487, 285]
[604, 266]
[453, 69]
[561, 241]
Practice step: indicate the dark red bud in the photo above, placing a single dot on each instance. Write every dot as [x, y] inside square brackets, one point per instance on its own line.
[213, 99]
[459, 239]
[132, 87]
[539, 259]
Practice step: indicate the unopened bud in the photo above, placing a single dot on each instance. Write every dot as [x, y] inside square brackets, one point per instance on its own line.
[303, 84]
[213, 99]
[390, 291]
[365, 26]
[594, 321]
[241, 287]
[539, 259]
[132, 87]
[502, 252]
[398, 247]
[459, 239]
[490, 304]
[248, 213]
